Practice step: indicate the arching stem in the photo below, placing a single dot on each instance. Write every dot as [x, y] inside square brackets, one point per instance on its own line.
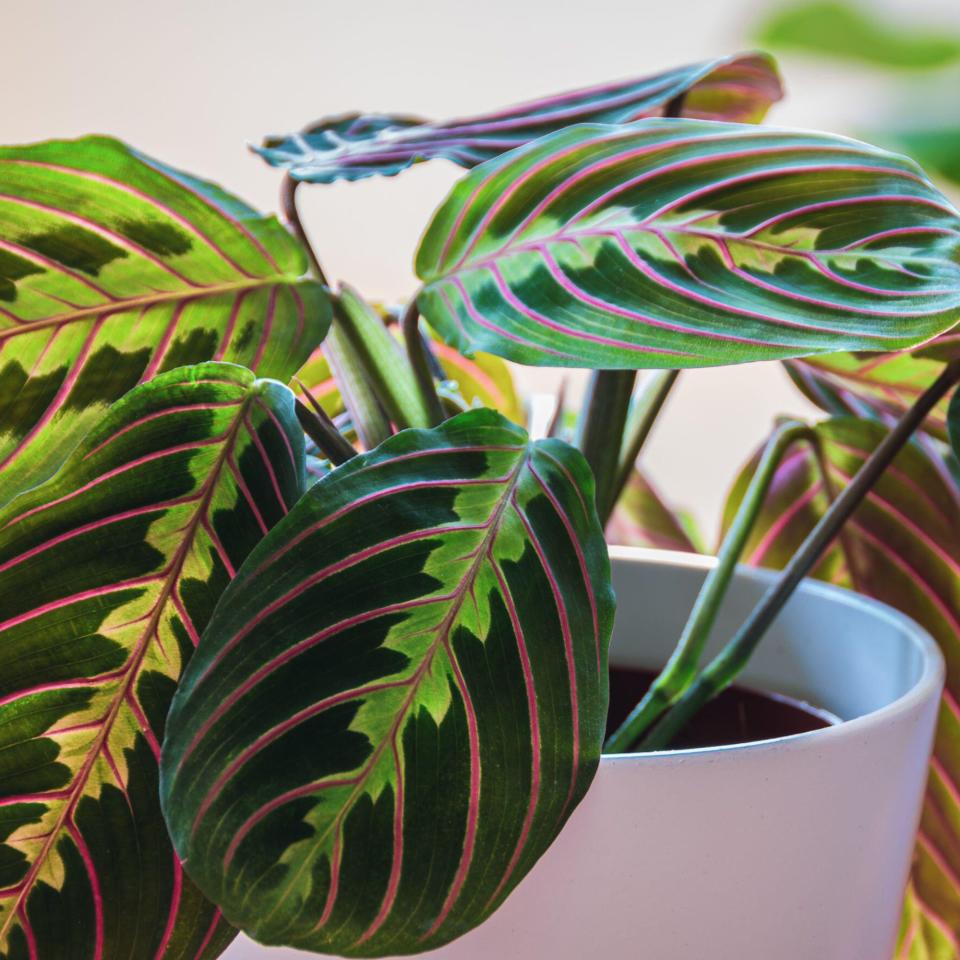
[681, 669]
[731, 660]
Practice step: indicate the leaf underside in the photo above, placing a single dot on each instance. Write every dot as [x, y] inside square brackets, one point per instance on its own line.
[903, 547]
[355, 146]
[402, 696]
[680, 243]
[876, 386]
[114, 268]
[108, 573]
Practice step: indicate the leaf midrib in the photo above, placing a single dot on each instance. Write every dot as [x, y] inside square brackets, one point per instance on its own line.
[443, 630]
[120, 306]
[135, 662]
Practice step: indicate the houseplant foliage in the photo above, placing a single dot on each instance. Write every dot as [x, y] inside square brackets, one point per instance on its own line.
[398, 694]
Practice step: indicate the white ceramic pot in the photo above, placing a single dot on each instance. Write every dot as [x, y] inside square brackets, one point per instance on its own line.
[789, 849]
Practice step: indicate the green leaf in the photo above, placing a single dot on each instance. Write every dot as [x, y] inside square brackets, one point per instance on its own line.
[936, 148]
[114, 268]
[903, 547]
[402, 697]
[108, 573]
[358, 145]
[681, 243]
[387, 368]
[482, 380]
[953, 422]
[851, 31]
[877, 385]
[642, 519]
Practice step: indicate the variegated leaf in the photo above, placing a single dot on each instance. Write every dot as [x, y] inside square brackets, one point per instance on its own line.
[356, 145]
[482, 380]
[879, 385]
[108, 573]
[642, 519]
[903, 547]
[401, 698]
[680, 243]
[114, 268]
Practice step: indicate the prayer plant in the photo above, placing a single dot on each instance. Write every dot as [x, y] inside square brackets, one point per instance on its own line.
[301, 633]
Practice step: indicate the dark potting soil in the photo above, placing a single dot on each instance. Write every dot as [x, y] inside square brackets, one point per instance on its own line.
[738, 715]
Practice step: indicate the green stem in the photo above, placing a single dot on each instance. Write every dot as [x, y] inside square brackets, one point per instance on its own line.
[417, 354]
[368, 418]
[642, 417]
[682, 666]
[601, 433]
[724, 668]
[288, 206]
[322, 430]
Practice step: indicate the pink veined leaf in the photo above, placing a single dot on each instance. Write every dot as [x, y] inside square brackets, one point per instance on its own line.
[402, 698]
[872, 385]
[642, 519]
[355, 146]
[108, 574]
[676, 243]
[114, 268]
[903, 547]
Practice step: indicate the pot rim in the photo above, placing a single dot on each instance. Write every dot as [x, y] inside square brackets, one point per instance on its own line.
[928, 685]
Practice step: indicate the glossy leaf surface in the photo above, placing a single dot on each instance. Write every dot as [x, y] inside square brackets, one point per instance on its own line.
[114, 268]
[357, 145]
[679, 243]
[401, 698]
[108, 573]
[903, 547]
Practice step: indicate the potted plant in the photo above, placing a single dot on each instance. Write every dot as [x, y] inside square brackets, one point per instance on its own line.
[345, 700]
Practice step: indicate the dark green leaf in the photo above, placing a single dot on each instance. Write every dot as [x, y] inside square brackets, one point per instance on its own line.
[108, 573]
[114, 268]
[402, 698]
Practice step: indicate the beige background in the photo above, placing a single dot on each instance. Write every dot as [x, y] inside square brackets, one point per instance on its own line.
[191, 82]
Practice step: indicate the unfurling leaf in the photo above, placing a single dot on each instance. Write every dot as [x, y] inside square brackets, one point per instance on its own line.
[903, 547]
[401, 698]
[680, 243]
[108, 573]
[354, 146]
[114, 268]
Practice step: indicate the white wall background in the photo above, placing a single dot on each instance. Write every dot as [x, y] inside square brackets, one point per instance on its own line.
[191, 81]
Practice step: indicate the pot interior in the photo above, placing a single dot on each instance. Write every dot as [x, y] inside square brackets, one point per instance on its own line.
[832, 648]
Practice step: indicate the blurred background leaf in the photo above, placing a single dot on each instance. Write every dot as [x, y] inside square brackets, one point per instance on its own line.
[852, 31]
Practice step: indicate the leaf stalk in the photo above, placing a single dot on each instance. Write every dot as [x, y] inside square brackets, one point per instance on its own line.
[725, 667]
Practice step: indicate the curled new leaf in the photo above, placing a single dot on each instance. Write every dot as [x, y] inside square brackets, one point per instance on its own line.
[402, 697]
[681, 243]
[901, 546]
[356, 145]
[108, 573]
[114, 268]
